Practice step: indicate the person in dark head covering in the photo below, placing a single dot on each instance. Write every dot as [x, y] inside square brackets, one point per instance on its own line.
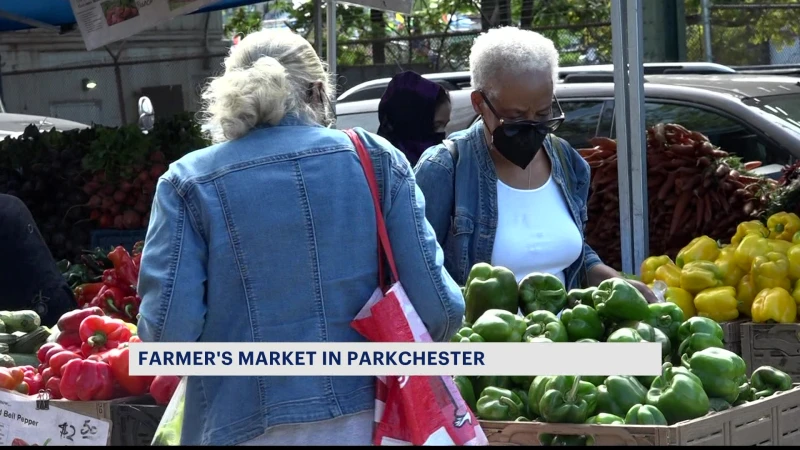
[413, 114]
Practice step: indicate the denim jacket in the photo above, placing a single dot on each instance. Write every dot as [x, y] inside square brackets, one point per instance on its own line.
[272, 238]
[463, 211]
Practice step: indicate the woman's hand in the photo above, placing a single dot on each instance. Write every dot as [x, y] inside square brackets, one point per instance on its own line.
[602, 272]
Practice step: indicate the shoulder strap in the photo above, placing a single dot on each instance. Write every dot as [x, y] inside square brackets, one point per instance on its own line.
[451, 147]
[384, 246]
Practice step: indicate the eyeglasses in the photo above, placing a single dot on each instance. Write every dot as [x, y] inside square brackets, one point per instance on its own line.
[512, 127]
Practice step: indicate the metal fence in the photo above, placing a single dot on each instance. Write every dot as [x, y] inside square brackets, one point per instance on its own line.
[579, 44]
[741, 34]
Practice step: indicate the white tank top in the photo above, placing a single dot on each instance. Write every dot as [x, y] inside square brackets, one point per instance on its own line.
[535, 231]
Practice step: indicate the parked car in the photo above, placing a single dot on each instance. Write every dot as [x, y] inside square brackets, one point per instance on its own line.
[756, 117]
[14, 124]
[451, 81]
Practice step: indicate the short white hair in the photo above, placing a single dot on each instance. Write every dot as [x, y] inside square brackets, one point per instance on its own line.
[267, 76]
[510, 51]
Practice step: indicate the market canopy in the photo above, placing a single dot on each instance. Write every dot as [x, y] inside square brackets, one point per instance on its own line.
[22, 15]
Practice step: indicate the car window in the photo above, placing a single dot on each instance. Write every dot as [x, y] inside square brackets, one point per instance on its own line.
[582, 118]
[728, 134]
[371, 93]
[368, 121]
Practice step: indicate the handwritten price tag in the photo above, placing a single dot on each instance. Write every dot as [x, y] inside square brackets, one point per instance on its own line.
[21, 423]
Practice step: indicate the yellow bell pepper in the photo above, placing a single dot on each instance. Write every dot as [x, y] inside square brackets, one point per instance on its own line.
[777, 245]
[796, 293]
[771, 271]
[670, 274]
[745, 294]
[796, 238]
[750, 227]
[783, 225]
[718, 304]
[702, 248]
[774, 304]
[793, 255]
[683, 299]
[731, 272]
[752, 245]
[650, 265]
[699, 275]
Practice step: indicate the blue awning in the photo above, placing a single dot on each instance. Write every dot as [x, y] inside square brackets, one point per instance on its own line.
[25, 14]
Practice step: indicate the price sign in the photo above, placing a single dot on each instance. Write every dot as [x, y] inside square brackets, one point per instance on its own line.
[23, 421]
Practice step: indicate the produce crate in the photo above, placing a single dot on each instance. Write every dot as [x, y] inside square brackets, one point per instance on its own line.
[771, 421]
[733, 335]
[112, 238]
[776, 345]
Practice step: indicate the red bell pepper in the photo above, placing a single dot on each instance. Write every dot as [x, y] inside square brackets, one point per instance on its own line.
[57, 362]
[34, 381]
[86, 380]
[110, 299]
[163, 387]
[46, 375]
[54, 386]
[118, 359]
[86, 292]
[125, 268]
[71, 321]
[41, 354]
[100, 333]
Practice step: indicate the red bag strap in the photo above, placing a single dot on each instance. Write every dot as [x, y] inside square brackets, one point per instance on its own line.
[384, 246]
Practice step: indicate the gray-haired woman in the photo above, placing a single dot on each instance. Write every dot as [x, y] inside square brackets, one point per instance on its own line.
[270, 236]
[517, 195]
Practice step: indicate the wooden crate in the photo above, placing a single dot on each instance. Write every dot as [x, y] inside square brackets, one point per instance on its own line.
[732, 332]
[771, 421]
[776, 345]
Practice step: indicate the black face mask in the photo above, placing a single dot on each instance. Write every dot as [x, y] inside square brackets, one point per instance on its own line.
[517, 144]
[519, 141]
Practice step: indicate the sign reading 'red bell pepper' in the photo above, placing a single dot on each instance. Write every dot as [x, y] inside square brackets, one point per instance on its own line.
[28, 420]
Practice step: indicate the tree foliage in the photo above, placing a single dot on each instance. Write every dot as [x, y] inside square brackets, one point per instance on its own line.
[243, 21]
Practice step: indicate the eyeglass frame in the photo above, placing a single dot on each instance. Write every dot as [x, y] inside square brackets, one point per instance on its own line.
[542, 126]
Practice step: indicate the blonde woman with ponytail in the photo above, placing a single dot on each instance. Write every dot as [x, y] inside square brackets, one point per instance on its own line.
[270, 235]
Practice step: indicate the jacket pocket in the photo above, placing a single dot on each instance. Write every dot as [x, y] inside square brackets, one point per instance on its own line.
[457, 252]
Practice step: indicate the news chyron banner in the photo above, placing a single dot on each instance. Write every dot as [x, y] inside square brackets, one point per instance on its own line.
[105, 21]
[395, 359]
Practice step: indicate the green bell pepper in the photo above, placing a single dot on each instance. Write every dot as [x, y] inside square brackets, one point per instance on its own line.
[650, 334]
[498, 325]
[580, 297]
[480, 383]
[618, 394]
[678, 394]
[542, 292]
[698, 342]
[699, 324]
[488, 288]
[767, 380]
[535, 393]
[523, 397]
[520, 382]
[567, 399]
[467, 334]
[605, 419]
[718, 405]
[721, 371]
[666, 317]
[464, 386]
[747, 393]
[596, 380]
[625, 335]
[644, 415]
[582, 322]
[498, 404]
[616, 299]
[544, 324]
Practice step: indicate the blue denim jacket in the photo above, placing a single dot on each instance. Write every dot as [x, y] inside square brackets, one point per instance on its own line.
[468, 235]
[272, 238]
